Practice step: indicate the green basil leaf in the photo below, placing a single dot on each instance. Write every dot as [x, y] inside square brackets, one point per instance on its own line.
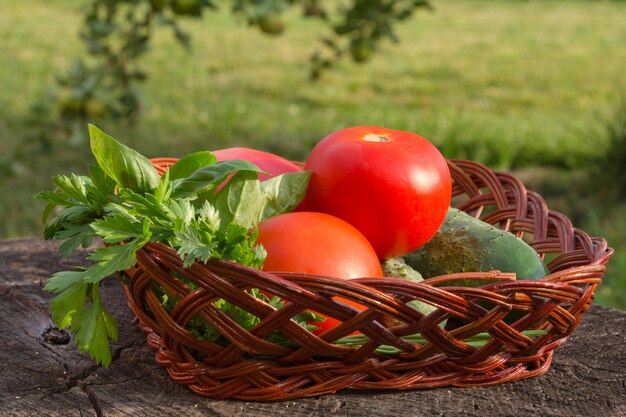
[283, 193]
[211, 177]
[126, 166]
[164, 189]
[241, 200]
[187, 165]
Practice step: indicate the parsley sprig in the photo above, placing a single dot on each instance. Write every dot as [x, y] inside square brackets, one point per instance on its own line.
[127, 204]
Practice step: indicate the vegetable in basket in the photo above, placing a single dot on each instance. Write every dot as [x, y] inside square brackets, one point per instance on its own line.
[466, 244]
[321, 244]
[393, 186]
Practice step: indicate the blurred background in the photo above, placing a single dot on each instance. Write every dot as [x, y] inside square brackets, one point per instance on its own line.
[537, 88]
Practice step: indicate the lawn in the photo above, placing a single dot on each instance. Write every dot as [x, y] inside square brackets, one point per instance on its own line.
[512, 84]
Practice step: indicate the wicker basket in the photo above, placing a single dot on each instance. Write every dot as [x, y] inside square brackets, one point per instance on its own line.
[252, 368]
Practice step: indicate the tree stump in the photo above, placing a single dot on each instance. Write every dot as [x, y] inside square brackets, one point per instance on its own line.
[43, 374]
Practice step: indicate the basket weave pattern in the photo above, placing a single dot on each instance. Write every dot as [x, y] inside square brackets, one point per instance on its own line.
[253, 368]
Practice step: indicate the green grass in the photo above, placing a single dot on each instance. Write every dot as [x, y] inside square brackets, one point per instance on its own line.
[508, 83]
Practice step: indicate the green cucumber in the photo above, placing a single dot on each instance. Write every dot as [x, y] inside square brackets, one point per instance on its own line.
[466, 244]
[397, 268]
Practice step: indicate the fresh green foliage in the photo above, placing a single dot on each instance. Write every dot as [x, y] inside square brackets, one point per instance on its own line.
[93, 327]
[72, 297]
[125, 203]
[188, 164]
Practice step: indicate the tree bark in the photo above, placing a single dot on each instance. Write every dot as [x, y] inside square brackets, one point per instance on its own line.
[43, 374]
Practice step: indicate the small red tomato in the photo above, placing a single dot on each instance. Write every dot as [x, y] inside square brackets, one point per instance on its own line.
[394, 186]
[317, 243]
[272, 164]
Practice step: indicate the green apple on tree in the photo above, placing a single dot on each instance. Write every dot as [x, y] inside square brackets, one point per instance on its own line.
[271, 24]
[187, 7]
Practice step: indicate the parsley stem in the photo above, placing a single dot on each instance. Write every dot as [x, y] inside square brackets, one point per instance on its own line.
[479, 340]
[95, 292]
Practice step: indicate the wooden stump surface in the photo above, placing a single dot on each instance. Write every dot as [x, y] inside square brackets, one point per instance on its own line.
[43, 374]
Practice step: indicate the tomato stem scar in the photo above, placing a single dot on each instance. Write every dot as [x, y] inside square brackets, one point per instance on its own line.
[375, 138]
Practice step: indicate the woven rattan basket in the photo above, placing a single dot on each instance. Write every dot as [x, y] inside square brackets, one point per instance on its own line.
[252, 368]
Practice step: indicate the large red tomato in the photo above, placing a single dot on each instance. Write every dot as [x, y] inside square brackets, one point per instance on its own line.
[272, 164]
[317, 243]
[394, 186]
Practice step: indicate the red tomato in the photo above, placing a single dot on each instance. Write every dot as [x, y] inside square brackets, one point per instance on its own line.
[317, 243]
[394, 186]
[272, 164]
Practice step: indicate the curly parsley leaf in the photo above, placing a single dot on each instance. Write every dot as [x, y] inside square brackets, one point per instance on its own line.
[73, 187]
[193, 246]
[82, 199]
[74, 236]
[93, 328]
[72, 292]
[102, 187]
[112, 259]
[118, 228]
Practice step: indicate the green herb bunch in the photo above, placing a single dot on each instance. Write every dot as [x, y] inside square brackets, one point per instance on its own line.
[127, 204]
